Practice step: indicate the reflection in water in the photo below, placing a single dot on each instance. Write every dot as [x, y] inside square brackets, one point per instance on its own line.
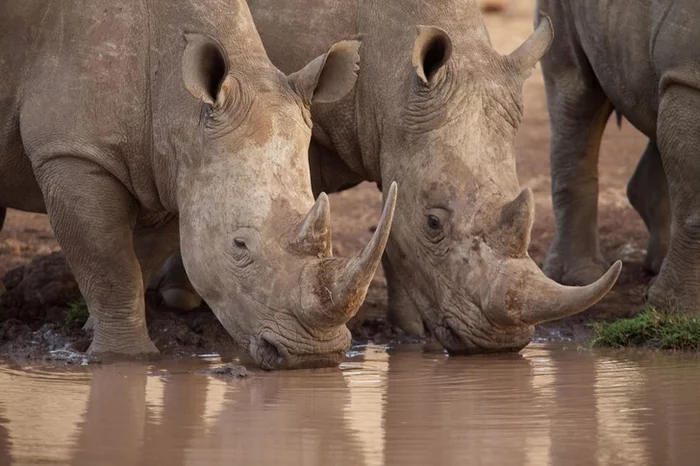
[548, 405]
[40, 412]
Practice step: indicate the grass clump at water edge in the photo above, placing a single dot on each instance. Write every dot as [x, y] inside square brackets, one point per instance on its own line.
[652, 329]
[77, 312]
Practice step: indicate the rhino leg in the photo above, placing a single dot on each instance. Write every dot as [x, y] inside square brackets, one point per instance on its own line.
[93, 222]
[174, 286]
[578, 112]
[677, 287]
[648, 194]
[152, 247]
[402, 313]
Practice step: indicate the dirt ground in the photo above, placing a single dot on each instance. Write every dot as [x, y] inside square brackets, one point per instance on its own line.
[34, 307]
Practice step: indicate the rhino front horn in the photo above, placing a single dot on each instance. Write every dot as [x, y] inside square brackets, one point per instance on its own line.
[531, 298]
[333, 289]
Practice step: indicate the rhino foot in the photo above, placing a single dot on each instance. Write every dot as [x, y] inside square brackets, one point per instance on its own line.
[676, 288]
[574, 271]
[134, 346]
[670, 297]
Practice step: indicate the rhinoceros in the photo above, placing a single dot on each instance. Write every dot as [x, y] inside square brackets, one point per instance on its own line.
[641, 60]
[436, 109]
[136, 125]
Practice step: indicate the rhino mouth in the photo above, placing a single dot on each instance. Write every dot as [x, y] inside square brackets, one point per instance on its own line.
[269, 353]
[459, 339]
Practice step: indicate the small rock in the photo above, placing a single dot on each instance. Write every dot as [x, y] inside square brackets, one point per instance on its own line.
[232, 371]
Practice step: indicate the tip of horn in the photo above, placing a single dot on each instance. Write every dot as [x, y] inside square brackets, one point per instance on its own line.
[612, 275]
[542, 300]
[375, 248]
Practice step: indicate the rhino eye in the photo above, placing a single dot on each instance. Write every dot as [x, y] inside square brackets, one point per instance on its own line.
[434, 223]
[239, 243]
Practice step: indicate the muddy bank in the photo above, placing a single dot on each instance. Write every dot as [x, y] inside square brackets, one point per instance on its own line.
[35, 317]
[38, 318]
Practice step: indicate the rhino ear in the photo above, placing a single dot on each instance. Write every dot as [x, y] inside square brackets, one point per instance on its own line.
[331, 76]
[204, 67]
[432, 49]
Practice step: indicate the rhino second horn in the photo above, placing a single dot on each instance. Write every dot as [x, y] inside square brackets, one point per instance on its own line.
[314, 234]
[533, 298]
[333, 289]
[533, 49]
[515, 225]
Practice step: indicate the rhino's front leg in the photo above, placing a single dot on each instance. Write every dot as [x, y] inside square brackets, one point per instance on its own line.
[648, 194]
[677, 287]
[578, 112]
[152, 246]
[93, 215]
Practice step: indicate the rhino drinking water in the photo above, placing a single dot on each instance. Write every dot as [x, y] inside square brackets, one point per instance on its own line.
[133, 124]
[436, 109]
[642, 60]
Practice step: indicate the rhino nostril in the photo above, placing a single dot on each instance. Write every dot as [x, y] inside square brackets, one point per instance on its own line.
[269, 356]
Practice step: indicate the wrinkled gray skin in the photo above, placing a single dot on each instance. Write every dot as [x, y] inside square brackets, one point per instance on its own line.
[437, 110]
[132, 124]
[642, 60]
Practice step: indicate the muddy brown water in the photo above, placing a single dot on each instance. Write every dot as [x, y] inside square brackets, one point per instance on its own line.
[551, 404]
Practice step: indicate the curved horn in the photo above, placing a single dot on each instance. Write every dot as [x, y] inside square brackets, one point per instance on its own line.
[533, 298]
[314, 234]
[333, 289]
[533, 49]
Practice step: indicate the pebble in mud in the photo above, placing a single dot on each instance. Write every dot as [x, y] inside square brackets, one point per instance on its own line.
[230, 371]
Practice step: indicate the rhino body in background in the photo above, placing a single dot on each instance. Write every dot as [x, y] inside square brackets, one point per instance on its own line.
[642, 60]
[133, 124]
[436, 109]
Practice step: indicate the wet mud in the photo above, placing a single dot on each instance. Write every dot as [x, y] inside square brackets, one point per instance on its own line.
[40, 287]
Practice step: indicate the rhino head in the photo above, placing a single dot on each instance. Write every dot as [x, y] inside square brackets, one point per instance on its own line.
[254, 244]
[458, 250]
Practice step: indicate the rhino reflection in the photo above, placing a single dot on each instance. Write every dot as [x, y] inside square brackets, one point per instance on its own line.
[282, 418]
[114, 424]
[30, 401]
[365, 410]
[459, 409]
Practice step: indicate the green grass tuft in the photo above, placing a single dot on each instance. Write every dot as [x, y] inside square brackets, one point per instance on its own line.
[651, 329]
[77, 312]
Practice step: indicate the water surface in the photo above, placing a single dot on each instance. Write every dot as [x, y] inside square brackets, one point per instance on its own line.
[405, 406]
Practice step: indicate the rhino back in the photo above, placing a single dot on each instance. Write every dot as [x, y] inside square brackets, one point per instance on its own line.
[77, 85]
[294, 32]
[618, 39]
[101, 80]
